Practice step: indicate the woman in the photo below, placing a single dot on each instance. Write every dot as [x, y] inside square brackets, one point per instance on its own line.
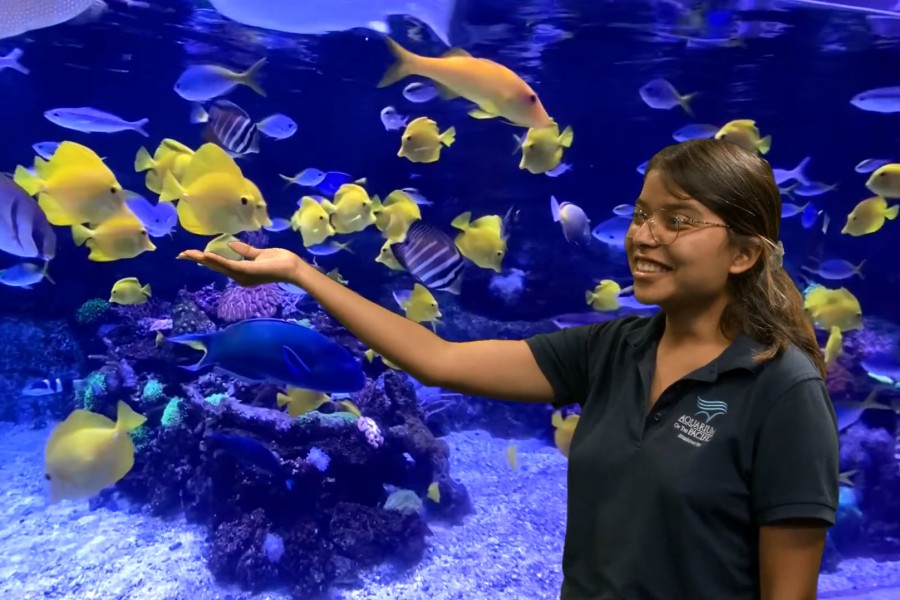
[705, 462]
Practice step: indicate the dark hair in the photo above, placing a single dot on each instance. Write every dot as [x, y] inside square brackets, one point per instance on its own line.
[739, 187]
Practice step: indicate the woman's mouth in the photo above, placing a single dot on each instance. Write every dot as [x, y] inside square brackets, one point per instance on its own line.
[643, 266]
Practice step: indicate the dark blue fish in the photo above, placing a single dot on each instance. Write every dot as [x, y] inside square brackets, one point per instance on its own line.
[332, 182]
[24, 229]
[276, 351]
[253, 453]
[810, 215]
[431, 257]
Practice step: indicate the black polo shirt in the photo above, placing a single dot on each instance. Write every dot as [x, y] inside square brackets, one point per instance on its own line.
[667, 505]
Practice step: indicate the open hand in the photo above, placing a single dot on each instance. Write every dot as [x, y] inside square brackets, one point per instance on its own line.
[263, 265]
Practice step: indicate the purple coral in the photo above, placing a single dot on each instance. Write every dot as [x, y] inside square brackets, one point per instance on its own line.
[238, 303]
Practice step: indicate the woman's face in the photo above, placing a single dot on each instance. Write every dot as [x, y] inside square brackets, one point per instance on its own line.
[691, 270]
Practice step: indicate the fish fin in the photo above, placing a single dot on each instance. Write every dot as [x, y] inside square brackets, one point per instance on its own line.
[456, 52]
[190, 222]
[46, 275]
[402, 68]
[139, 127]
[294, 362]
[519, 142]
[455, 286]
[281, 399]
[462, 221]
[328, 206]
[891, 213]
[81, 234]
[32, 184]
[765, 144]
[478, 113]
[199, 114]
[448, 137]
[566, 138]
[685, 102]
[12, 61]
[127, 419]
[444, 92]
[143, 161]
[98, 255]
[556, 420]
[250, 76]
[147, 290]
[211, 158]
[197, 341]
[41, 167]
[54, 212]
[171, 190]
[554, 209]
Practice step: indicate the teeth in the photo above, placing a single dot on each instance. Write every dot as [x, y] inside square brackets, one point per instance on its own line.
[643, 265]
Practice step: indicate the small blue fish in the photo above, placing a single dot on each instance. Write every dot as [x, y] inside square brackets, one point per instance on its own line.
[624, 210]
[420, 92]
[91, 120]
[642, 168]
[278, 224]
[836, 269]
[612, 232]
[253, 453]
[810, 216]
[332, 182]
[328, 248]
[871, 164]
[695, 132]
[24, 275]
[798, 173]
[789, 209]
[277, 127]
[558, 170]
[11, 61]
[417, 196]
[45, 150]
[200, 83]
[812, 188]
[159, 219]
[306, 178]
[276, 351]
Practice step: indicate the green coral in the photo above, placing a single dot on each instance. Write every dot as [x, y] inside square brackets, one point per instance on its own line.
[94, 385]
[141, 437]
[171, 416]
[91, 310]
[153, 391]
[216, 399]
[329, 420]
[404, 501]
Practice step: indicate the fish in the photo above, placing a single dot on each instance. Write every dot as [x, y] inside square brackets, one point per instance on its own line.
[333, 181]
[45, 150]
[798, 173]
[542, 149]
[316, 17]
[277, 127]
[848, 412]
[276, 351]
[627, 211]
[386, 257]
[24, 275]
[482, 241]
[306, 178]
[160, 219]
[575, 224]
[419, 304]
[869, 216]
[662, 95]
[434, 493]
[292, 289]
[496, 90]
[220, 246]
[199, 83]
[870, 164]
[88, 452]
[812, 188]
[92, 120]
[24, 229]
[512, 458]
[392, 120]
[560, 169]
[883, 367]
[564, 430]
[352, 209]
[313, 222]
[581, 319]
[299, 401]
[17, 18]
[328, 248]
[371, 355]
[885, 181]
[253, 453]
[128, 291]
[834, 346]
[642, 168]
[422, 142]
[612, 231]
[745, 134]
[170, 156]
[11, 61]
[604, 297]
[42, 387]
[836, 269]
[417, 196]
[695, 131]
[119, 237]
[880, 100]
[420, 92]
[278, 224]
[228, 126]
[431, 257]
[828, 308]
[395, 215]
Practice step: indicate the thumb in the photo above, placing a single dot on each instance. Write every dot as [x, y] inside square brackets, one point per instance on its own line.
[245, 250]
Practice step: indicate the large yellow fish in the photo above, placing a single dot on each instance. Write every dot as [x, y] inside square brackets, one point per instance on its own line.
[542, 149]
[214, 196]
[829, 308]
[312, 221]
[170, 156]
[118, 237]
[745, 134]
[482, 241]
[351, 210]
[885, 181]
[88, 452]
[868, 216]
[74, 186]
[421, 141]
[565, 429]
[496, 90]
[395, 215]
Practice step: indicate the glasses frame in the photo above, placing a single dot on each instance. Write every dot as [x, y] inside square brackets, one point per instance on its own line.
[681, 219]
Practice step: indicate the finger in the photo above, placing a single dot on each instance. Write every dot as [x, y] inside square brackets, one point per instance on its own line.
[245, 250]
[194, 255]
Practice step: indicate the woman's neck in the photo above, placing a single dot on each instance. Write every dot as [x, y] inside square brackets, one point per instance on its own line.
[697, 325]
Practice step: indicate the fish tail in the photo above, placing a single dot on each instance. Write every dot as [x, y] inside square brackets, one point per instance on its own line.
[462, 221]
[147, 290]
[81, 234]
[32, 184]
[46, 275]
[891, 213]
[199, 114]
[402, 68]
[685, 102]
[250, 76]
[565, 139]
[765, 144]
[143, 161]
[12, 60]
[139, 127]
[127, 419]
[345, 246]
[448, 137]
[172, 190]
[197, 341]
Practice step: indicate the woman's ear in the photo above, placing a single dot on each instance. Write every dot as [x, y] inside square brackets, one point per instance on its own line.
[746, 255]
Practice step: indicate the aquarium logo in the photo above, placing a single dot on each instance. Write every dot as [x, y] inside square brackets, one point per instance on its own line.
[710, 408]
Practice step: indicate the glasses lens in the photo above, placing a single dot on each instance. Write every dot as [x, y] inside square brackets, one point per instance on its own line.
[664, 226]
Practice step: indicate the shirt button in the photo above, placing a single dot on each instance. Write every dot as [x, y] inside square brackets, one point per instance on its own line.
[657, 417]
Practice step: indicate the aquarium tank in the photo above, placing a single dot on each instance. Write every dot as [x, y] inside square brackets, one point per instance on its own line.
[167, 433]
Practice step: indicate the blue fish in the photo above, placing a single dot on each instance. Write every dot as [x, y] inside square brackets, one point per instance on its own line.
[199, 83]
[332, 181]
[91, 120]
[694, 132]
[24, 229]
[810, 215]
[328, 248]
[45, 150]
[789, 209]
[812, 188]
[612, 231]
[642, 168]
[309, 177]
[277, 127]
[870, 164]
[253, 453]
[278, 224]
[276, 351]
[159, 219]
[24, 275]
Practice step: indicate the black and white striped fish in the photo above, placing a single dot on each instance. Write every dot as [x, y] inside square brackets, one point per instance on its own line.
[43, 387]
[228, 126]
[431, 257]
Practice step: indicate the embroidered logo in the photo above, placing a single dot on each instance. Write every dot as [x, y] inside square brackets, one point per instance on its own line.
[710, 408]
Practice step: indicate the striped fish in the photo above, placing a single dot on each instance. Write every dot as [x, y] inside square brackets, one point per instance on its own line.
[228, 126]
[431, 257]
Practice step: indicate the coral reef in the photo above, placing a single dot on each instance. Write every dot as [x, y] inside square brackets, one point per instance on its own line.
[238, 303]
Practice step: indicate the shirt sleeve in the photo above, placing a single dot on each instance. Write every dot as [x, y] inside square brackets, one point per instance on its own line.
[796, 468]
[563, 357]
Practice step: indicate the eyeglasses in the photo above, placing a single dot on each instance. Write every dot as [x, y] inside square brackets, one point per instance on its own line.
[665, 225]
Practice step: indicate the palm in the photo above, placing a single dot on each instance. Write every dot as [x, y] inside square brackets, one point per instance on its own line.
[262, 265]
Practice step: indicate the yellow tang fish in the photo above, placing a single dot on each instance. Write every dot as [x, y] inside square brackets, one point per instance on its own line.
[88, 452]
[74, 186]
[395, 215]
[565, 429]
[419, 305]
[351, 210]
[118, 237]
[220, 246]
[497, 90]
[371, 354]
[387, 258]
[829, 308]
[482, 241]
[542, 149]
[885, 181]
[512, 458]
[349, 407]
[604, 297]
[421, 142]
[834, 345]
[129, 291]
[434, 493]
[313, 222]
[745, 134]
[213, 195]
[170, 156]
[299, 401]
[868, 216]
[256, 198]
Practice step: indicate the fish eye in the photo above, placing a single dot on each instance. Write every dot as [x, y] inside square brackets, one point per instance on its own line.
[113, 190]
[882, 174]
[499, 253]
[143, 232]
[47, 476]
[532, 98]
[321, 217]
[244, 201]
